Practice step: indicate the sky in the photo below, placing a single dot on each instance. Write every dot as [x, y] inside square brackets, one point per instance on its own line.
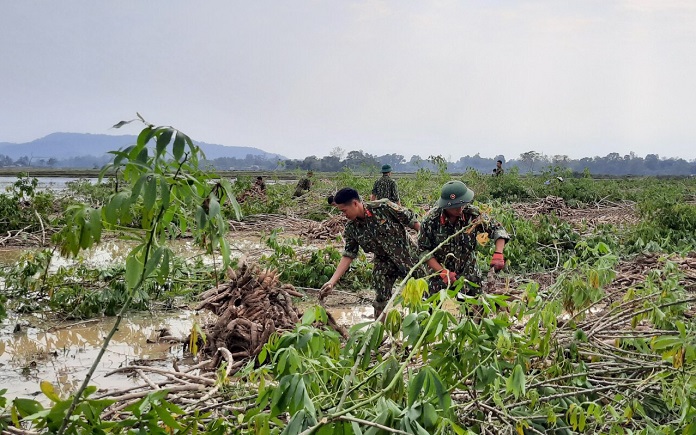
[300, 78]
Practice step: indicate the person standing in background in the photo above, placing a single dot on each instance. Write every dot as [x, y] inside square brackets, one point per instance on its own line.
[385, 187]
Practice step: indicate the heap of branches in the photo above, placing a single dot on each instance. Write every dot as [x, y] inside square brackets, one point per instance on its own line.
[252, 194]
[269, 222]
[323, 230]
[310, 229]
[250, 307]
[603, 212]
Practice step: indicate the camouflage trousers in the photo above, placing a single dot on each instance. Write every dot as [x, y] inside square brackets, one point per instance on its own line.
[384, 276]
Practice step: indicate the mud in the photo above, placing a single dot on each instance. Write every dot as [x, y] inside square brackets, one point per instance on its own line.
[32, 351]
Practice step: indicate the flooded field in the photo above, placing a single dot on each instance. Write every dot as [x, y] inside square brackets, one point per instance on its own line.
[33, 348]
[32, 351]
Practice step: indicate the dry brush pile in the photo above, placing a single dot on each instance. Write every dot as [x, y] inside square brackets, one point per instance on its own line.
[604, 212]
[307, 228]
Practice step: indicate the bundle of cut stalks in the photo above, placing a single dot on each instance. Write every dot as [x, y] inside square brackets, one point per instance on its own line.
[251, 306]
[327, 229]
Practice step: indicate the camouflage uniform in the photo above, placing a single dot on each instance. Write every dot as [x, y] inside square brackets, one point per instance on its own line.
[459, 254]
[383, 232]
[303, 186]
[498, 172]
[385, 187]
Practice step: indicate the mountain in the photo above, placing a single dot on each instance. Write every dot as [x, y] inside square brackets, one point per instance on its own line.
[70, 145]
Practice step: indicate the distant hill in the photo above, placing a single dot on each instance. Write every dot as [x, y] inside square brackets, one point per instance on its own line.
[62, 146]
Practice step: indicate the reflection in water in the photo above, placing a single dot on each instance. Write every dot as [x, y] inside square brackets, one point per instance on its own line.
[348, 316]
[111, 252]
[64, 356]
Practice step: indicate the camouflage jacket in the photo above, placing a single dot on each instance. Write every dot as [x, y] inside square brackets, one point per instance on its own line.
[459, 254]
[303, 186]
[498, 171]
[383, 232]
[385, 187]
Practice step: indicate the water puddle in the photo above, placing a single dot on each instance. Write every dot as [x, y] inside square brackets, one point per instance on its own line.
[349, 316]
[112, 252]
[63, 355]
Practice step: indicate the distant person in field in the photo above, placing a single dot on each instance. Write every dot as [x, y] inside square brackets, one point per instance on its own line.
[498, 170]
[385, 187]
[304, 185]
[260, 185]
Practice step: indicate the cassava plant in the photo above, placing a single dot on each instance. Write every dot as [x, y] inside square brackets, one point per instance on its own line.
[161, 175]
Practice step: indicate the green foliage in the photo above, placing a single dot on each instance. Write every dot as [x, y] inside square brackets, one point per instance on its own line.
[85, 419]
[23, 207]
[426, 369]
[582, 282]
[163, 178]
[277, 198]
[307, 267]
[544, 242]
[84, 190]
[80, 291]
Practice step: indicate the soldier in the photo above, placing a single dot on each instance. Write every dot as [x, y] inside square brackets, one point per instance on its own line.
[385, 187]
[378, 227]
[498, 170]
[458, 257]
[260, 185]
[304, 185]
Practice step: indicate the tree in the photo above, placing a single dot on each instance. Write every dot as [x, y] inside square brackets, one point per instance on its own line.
[395, 160]
[337, 152]
[560, 160]
[530, 159]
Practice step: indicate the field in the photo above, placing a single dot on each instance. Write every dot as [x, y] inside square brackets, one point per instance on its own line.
[588, 329]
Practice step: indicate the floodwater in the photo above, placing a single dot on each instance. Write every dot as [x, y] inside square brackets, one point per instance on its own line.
[62, 354]
[45, 183]
[33, 349]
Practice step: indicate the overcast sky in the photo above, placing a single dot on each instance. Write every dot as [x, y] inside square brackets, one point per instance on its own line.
[580, 78]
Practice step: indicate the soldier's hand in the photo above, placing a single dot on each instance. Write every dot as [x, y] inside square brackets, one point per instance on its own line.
[326, 289]
[448, 277]
[498, 261]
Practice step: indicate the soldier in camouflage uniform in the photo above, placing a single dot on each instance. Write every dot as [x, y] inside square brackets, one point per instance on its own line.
[378, 227]
[385, 187]
[260, 185]
[498, 170]
[304, 185]
[458, 256]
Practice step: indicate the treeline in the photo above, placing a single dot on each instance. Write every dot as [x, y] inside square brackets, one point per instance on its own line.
[529, 162]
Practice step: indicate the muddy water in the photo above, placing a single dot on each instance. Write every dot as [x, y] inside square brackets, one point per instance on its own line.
[62, 354]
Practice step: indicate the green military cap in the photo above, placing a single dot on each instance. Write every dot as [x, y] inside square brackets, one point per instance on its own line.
[386, 168]
[454, 194]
